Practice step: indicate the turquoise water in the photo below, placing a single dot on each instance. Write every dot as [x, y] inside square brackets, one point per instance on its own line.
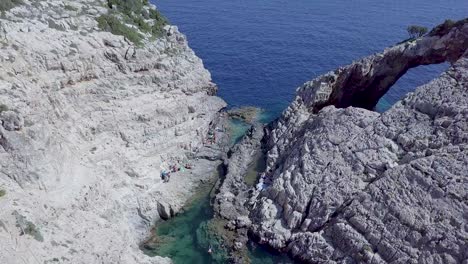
[259, 51]
[237, 130]
[186, 237]
[181, 238]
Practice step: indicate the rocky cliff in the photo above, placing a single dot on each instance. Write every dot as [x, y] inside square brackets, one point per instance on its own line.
[350, 185]
[344, 184]
[88, 121]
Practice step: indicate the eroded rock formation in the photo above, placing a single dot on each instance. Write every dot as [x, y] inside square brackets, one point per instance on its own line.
[365, 81]
[231, 205]
[351, 185]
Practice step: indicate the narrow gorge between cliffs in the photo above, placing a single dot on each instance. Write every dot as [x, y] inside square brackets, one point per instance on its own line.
[172, 131]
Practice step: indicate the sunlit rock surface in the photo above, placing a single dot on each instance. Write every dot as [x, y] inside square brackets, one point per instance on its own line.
[351, 185]
[88, 122]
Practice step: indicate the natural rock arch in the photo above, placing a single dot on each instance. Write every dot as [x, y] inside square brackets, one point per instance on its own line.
[364, 82]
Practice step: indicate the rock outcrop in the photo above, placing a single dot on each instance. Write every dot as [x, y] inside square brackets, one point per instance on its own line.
[230, 205]
[88, 121]
[351, 185]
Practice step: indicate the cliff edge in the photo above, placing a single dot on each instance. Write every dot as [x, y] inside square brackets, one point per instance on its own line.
[89, 119]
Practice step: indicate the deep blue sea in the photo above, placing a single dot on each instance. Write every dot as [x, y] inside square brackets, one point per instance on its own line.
[260, 51]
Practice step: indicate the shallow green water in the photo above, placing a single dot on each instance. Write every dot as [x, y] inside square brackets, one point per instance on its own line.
[182, 237]
[258, 165]
[237, 130]
[186, 237]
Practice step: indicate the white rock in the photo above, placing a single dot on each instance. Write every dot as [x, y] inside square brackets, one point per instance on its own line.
[76, 158]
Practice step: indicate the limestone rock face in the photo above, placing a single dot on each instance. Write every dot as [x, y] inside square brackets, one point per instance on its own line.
[11, 120]
[231, 203]
[88, 122]
[351, 185]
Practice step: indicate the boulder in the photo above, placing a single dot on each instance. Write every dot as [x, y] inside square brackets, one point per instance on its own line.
[11, 120]
[165, 210]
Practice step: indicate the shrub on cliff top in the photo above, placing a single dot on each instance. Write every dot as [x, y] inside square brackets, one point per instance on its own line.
[3, 108]
[132, 12]
[6, 5]
[126, 6]
[112, 24]
[159, 22]
[416, 31]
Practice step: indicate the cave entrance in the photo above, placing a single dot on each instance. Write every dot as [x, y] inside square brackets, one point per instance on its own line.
[414, 78]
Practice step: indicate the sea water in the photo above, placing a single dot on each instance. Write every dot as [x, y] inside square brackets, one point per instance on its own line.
[259, 51]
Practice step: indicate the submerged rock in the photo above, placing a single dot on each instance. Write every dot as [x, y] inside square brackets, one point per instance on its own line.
[209, 236]
[248, 114]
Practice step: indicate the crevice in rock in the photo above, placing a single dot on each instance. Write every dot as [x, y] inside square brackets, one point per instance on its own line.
[306, 212]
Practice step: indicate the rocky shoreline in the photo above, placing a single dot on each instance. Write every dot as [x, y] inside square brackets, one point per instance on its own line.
[352, 185]
[230, 202]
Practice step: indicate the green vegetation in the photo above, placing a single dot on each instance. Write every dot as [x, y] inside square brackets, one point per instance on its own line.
[159, 22]
[112, 24]
[32, 230]
[70, 8]
[445, 27]
[416, 31]
[27, 227]
[440, 30]
[3, 108]
[6, 5]
[132, 12]
[126, 6]
[2, 192]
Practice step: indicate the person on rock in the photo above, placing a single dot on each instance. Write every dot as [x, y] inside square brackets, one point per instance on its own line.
[210, 250]
[165, 176]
